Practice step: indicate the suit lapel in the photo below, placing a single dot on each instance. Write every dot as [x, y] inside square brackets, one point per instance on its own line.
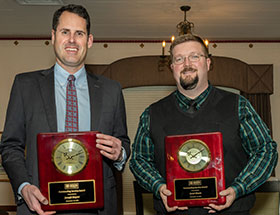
[48, 96]
[95, 95]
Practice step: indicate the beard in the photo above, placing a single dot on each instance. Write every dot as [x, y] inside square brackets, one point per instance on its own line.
[188, 83]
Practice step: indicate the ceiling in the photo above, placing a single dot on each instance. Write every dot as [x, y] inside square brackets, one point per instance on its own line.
[151, 19]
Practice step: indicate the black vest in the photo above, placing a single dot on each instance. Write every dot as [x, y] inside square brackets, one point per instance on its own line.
[218, 113]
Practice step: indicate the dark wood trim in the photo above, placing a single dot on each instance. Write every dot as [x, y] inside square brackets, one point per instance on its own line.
[8, 208]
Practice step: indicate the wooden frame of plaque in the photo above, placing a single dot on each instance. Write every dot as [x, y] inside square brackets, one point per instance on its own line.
[70, 170]
[195, 169]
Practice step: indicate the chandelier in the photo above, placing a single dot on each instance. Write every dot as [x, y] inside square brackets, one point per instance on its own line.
[185, 27]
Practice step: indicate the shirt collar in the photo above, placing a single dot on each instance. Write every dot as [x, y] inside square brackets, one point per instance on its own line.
[61, 76]
[185, 101]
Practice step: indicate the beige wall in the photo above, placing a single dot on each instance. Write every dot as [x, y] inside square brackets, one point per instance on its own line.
[33, 55]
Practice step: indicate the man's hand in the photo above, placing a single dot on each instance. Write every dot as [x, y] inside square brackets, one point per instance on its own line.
[164, 192]
[109, 146]
[33, 198]
[230, 195]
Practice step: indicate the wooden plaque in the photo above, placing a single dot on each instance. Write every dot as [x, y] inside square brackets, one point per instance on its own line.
[195, 169]
[70, 170]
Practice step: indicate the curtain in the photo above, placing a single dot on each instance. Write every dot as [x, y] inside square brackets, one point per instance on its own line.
[261, 103]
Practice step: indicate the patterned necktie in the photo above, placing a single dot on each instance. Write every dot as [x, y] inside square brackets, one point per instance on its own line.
[71, 119]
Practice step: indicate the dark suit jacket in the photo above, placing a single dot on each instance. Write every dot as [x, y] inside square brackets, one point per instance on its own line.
[32, 110]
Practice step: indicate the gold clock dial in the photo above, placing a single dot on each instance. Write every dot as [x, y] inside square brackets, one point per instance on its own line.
[194, 155]
[70, 156]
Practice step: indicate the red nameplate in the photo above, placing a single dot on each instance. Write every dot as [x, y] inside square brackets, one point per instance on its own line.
[195, 169]
[70, 171]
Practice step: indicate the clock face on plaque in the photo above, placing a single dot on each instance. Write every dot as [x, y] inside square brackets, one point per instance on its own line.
[70, 156]
[194, 155]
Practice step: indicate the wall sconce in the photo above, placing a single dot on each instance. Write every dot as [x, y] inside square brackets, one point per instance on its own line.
[163, 63]
[163, 60]
[163, 47]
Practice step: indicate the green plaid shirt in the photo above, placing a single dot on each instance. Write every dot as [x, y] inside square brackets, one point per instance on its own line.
[254, 134]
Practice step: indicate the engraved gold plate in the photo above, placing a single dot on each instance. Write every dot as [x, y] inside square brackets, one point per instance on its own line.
[70, 156]
[194, 155]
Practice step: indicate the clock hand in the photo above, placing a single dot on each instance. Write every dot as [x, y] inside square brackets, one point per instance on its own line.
[189, 153]
[71, 157]
[192, 156]
[67, 157]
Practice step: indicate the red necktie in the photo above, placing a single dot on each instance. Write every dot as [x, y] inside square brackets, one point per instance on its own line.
[71, 119]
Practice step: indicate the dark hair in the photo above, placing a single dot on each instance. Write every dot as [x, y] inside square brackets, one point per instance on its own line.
[72, 8]
[187, 38]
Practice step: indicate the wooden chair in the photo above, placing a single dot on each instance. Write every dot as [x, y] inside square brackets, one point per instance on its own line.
[138, 191]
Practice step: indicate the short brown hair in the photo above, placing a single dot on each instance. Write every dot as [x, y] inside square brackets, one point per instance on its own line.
[72, 8]
[187, 38]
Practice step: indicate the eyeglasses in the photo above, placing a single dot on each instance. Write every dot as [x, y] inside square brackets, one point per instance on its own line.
[192, 58]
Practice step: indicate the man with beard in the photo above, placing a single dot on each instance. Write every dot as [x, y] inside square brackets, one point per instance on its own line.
[196, 106]
[38, 104]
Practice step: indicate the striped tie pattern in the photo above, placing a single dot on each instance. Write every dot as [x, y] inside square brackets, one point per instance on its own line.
[71, 119]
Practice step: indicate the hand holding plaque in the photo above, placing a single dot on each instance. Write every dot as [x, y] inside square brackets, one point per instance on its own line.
[194, 169]
[70, 170]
